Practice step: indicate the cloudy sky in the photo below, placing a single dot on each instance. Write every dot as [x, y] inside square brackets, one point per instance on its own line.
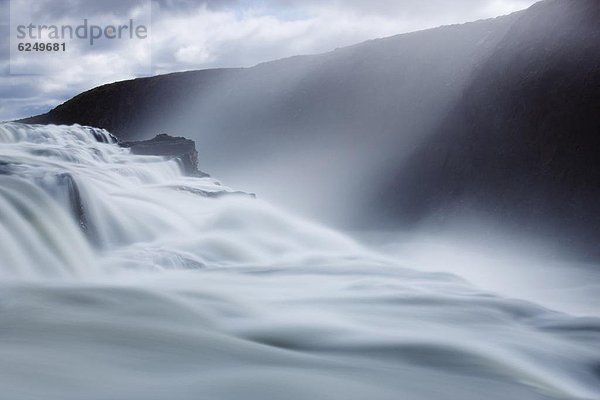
[187, 34]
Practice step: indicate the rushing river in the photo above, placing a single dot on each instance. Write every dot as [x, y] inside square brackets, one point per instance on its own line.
[121, 279]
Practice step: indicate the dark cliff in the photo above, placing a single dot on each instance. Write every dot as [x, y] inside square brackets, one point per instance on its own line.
[523, 143]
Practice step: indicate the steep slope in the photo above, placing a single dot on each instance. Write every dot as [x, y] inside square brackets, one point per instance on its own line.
[522, 145]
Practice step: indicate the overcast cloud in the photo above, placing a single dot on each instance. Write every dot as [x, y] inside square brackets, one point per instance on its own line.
[188, 34]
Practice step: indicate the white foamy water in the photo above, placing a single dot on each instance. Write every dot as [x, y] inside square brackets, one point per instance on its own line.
[120, 278]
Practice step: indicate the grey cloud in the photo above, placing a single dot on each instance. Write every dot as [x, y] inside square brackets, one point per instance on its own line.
[14, 87]
[47, 10]
[428, 9]
[407, 7]
[187, 5]
[4, 13]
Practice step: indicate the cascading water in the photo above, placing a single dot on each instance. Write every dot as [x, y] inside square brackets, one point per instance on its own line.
[120, 278]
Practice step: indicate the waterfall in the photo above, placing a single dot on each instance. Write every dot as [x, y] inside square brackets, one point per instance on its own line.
[120, 277]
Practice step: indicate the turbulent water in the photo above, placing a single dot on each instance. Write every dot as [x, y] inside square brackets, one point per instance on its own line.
[120, 278]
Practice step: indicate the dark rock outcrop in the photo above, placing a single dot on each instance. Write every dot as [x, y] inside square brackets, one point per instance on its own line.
[175, 147]
[67, 181]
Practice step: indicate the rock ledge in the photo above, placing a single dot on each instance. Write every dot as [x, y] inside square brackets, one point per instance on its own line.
[169, 146]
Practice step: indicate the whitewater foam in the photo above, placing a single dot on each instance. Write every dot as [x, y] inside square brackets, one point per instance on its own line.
[120, 279]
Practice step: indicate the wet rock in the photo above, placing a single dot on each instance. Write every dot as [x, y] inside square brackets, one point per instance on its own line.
[169, 146]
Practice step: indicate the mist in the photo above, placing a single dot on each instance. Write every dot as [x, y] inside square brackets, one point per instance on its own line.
[123, 277]
[320, 134]
[401, 134]
[414, 216]
[496, 258]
